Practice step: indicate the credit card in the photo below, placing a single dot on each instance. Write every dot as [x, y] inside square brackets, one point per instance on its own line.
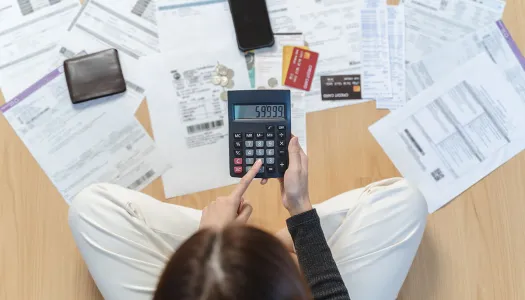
[302, 69]
[341, 87]
[287, 56]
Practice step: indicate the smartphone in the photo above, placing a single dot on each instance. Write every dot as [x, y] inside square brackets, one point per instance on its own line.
[252, 24]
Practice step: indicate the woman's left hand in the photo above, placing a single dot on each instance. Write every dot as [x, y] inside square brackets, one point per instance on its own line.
[232, 208]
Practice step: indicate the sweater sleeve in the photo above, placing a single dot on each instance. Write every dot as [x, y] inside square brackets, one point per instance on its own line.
[315, 257]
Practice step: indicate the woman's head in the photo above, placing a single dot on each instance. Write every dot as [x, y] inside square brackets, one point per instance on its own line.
[238, 262]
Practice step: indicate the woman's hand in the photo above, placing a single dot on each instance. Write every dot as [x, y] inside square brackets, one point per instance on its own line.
[233, 208]
[294, 186]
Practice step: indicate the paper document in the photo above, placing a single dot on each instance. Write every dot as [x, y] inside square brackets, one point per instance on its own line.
[396, 44]
[196, 24]
[13, 10]
[78, 145]
[268, 75]
[456, 132]
[281, 16]
[494, 39]
[27, 45]
[375, 54]
[434, 23]
[331, 29]
[189, 119]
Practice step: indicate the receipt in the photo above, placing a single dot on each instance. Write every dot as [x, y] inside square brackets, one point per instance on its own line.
[189, 119]
[375, 54]
[396, 44]
[78, 145]
[281, 16]
[434, 23]
[455, 132]
[27, 45]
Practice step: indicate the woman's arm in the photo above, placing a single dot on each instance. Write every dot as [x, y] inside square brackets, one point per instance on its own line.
[315, 257]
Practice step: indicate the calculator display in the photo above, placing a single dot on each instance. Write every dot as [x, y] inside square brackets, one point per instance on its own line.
[259, 112]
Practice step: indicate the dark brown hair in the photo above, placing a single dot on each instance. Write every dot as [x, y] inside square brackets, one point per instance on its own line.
[238, 262]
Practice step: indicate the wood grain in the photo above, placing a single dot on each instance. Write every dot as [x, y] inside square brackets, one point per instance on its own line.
[472, 248]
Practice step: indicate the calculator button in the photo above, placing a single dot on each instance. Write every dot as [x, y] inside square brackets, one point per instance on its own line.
[237, 169]
[261, 170]
[248, 144]
[282, 152]
[281, 127]
[237, 161]
[270, 160]
[249, 152]
[248, 168]
[281, 135]
[270, 135]
[237, 145]
[237, 136]
[270, 144]
[270, 128]
[250, 160]
[281, 144]
[270, 168]
[248, 135]
[259, 144]
[258, 152]
[270, 152]
[282, 166]
[259, 135]
[237, 153]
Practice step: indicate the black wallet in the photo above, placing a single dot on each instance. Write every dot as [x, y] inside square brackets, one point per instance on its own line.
[93, 76]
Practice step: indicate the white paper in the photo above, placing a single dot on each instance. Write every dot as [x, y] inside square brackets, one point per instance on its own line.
[332, 29]
[190, 122]
[396, 43]
[281, 16]
[196, 24]
[375, 54]
[268, 66]
[78, 145]
[494, 39]
[27, 45]
[431, 24]
[15, 10]
[456, 132]
[103, 24]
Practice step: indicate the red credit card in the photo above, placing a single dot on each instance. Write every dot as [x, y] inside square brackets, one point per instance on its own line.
[302, 69]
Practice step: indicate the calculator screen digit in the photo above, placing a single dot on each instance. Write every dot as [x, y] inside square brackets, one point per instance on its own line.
[263, 111]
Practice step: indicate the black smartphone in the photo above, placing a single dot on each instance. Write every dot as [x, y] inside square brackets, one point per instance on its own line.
[252, 24]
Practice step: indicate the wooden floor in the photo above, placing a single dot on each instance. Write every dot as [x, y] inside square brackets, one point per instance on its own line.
[472, 249]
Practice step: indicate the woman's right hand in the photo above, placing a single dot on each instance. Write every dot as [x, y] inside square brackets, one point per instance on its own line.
[294, 185]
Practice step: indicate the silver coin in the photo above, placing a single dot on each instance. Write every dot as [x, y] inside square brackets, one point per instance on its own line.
[216, 80]
[224, 81]
[230, 73]
[272, 82]
[261, 88]
[222, 70]
[224, 96]
[231, 84]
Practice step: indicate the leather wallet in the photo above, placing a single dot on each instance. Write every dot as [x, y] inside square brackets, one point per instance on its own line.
[93, 76]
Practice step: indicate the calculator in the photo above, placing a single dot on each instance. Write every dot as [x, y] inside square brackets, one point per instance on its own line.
[259, 128]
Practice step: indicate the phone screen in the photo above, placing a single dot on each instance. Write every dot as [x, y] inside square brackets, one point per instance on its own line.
[252, 24]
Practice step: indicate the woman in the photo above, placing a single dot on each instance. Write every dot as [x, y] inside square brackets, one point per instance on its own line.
[129, 239]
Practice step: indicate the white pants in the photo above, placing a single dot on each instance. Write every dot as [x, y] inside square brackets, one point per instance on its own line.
[126, 237]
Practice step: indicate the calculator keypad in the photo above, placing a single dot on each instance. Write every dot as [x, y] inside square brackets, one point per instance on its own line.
[270, 146]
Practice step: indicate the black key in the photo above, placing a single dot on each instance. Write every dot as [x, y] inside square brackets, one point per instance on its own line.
[281, 135]
[270, 168]
[282, 152]
[248, 135]
[281, 127]
[281, 143]
[270, 128]
[237, 136]
[237, 153]
[259, 135]
[270, 135]
[282, 166]
[237, 145]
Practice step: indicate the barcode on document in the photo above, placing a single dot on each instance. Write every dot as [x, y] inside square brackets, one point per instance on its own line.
[414, 142]
[142, 179]
[205, 126]
[437, 174]
[134, 87]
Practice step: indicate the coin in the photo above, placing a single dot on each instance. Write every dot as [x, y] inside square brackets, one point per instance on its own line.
[230, 73]
[231, 84]
[272, 82]
[224, 96]
[222, 70]
[216, 80]
[261, 88]
[224, 81]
